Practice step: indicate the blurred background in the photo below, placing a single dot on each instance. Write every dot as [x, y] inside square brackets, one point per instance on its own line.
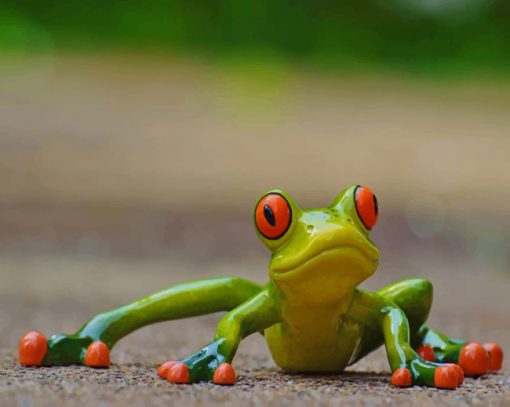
[135, 139]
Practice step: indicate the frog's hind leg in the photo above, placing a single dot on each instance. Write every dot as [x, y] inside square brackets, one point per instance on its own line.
[476, 359]
[91, 345]
[414, 297]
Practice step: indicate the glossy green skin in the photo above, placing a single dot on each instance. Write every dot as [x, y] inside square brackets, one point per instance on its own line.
[311, 312]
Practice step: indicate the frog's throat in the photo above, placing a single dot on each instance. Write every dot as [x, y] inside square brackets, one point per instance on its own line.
[366, 257]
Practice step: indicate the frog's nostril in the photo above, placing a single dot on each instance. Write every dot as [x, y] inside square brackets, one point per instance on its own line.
[310, 228]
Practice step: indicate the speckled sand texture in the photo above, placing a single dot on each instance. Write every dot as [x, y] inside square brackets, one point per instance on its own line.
[54, 301]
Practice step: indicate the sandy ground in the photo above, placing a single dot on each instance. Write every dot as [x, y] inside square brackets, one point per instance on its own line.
[123, 175]
[57, 293]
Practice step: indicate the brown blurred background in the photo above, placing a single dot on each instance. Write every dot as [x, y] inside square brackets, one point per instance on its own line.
[127, 165]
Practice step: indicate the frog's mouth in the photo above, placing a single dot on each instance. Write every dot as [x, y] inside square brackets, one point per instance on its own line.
[362, 257]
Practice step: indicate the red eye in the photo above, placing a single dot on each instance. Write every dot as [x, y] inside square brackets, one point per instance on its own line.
[273, 216]
[366, 206]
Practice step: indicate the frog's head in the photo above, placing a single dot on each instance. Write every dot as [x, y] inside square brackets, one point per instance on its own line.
[319, 255]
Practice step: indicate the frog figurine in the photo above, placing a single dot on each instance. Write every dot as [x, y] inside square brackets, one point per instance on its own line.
[313, 315]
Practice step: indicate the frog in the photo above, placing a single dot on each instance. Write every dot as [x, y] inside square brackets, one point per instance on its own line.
[312, 313]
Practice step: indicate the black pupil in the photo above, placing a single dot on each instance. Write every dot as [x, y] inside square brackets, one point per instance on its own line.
[376, 205]
[268, 213]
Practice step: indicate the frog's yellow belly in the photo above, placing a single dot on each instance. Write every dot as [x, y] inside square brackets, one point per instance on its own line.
[320, 345]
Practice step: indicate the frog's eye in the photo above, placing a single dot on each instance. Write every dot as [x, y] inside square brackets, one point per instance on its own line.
[366, 206]
[273, 216]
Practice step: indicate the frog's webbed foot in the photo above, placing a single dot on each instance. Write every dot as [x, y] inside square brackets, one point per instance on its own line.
[474, 358]
[477, 359]
[205, 365]
[425, 373]
[178, 372]
[35, 350]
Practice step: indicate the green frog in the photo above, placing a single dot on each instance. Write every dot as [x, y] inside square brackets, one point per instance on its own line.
[311, 312]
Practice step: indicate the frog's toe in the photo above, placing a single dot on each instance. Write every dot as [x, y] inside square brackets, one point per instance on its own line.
[402, 377]
[224, 374]
[165, 367]
[495, 356]
[460, 372]
[448, 376]
[97, 355]
[32, 349]
[426, 353]
[178, 373]
[474, 359]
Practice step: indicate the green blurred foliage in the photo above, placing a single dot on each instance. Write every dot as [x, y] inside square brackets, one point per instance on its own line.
[423, 36]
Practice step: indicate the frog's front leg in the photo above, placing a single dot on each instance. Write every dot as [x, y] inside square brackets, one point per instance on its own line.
[407, 366]
[92, 343]
[414, 297]
[212, 363]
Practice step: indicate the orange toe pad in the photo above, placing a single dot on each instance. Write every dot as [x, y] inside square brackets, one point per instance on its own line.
[178, 373]
[446, 377]
[98, 355]
[426, 352]
[474, 359]
[224, 374]
[401, 377]
[495, 356]
[32, 348]
[164, 368]
[460, 372]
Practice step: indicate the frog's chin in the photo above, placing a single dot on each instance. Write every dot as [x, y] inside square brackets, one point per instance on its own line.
[332, 257]
[326, 276]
